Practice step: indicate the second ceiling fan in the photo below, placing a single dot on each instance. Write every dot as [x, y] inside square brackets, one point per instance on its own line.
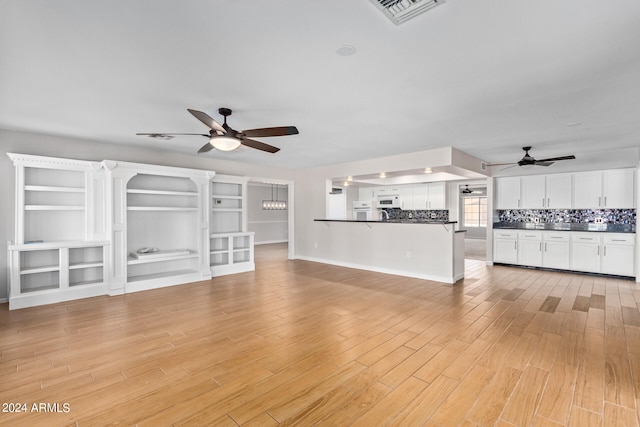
[527, 160]
[223, 137]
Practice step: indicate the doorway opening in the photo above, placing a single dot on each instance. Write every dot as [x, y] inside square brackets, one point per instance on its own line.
[270, 217]
[473, 218]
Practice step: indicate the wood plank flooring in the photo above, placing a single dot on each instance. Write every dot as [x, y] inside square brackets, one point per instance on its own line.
[302, 343]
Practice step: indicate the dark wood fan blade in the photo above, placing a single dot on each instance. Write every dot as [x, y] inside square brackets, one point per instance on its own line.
[554, 159]
[543, 163]
[275, 131]
[206, 147]
[259, 145]
[207, 120]
[500, 164]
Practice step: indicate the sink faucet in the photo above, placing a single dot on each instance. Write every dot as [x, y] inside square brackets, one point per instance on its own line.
[384, 215]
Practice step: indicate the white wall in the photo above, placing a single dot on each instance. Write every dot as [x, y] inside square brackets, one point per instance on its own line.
[47, 145]
[269, 226]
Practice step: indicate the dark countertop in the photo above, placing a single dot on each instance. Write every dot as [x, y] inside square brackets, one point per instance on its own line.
[391, 221]
[567, 226]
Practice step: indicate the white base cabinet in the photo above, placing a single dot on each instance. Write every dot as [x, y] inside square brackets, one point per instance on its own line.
[590, 252]
[556, 250]
[530, 249]
[505, 246]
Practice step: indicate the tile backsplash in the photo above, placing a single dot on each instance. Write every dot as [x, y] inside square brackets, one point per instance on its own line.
[608, 216]
[419, 215]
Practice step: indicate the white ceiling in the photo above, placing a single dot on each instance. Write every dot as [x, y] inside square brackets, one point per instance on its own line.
[486, 77]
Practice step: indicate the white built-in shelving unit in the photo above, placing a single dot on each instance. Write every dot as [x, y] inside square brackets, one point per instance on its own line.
[60, 250]
[81, 228]
[163, 208]
[231, 245]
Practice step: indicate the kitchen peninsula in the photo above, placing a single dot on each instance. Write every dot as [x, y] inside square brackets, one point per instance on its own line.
[431, 250]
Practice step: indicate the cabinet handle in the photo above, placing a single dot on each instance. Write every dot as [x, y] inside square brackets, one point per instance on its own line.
[518, 202]
[545, 246]
[543, 205]
[605, 201]
[618, 240]
[515, 244]
[549, 202]
[557, 237]
[586, 238]
[599, 201]
[540, 246]
[598, 253]
[605, 251]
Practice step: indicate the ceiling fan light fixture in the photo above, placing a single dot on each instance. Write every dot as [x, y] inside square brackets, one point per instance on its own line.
[224, 143]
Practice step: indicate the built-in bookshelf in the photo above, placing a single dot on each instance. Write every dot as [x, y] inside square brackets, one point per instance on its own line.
[160, 238]
[231, 246]
[92, 228]
[59, 251]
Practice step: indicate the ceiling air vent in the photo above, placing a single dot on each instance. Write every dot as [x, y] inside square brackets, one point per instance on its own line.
[400, 11]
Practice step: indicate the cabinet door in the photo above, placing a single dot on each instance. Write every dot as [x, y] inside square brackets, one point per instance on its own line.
[587, 190]
[618, 259]
[585, 253]
[558, 191]
[505, 246]
[618, 254]
[413, 197]
[366, 193]
[530, 252]
[508, 193]
[533, 194]
[556, 252]
[505, 250]
[618, 189]
[437, 196]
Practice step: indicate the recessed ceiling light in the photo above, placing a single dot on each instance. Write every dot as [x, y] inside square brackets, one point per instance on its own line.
[427, 170]
[349, 178]
[383, 175]
[346, 50]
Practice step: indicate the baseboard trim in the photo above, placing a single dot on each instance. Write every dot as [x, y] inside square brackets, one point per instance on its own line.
[448, 280]
[268, 242]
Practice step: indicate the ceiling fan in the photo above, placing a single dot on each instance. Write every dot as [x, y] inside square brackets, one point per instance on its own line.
[528, 160]
[225, 138]
[467, 190]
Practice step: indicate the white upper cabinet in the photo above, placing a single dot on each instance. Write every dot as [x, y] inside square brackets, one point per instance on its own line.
[437, 195]
[618, 188]
[430, 196]
[558, 191]
[610, 189]
[508, 193]
[532, 192]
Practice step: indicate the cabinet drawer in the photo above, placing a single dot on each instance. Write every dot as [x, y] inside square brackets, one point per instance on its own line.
[556, 237]
[505, 234]
[528, 235]
[619, 239]
[585, 238]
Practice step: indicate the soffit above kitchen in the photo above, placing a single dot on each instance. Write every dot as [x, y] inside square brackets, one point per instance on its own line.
[485, 77]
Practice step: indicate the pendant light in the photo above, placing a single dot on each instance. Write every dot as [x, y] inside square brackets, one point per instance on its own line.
[274, 205]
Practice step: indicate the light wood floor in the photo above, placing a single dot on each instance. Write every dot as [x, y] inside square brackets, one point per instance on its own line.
[302, 343]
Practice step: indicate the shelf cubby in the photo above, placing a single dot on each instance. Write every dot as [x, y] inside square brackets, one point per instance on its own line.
[231, 253]
[48, 272]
